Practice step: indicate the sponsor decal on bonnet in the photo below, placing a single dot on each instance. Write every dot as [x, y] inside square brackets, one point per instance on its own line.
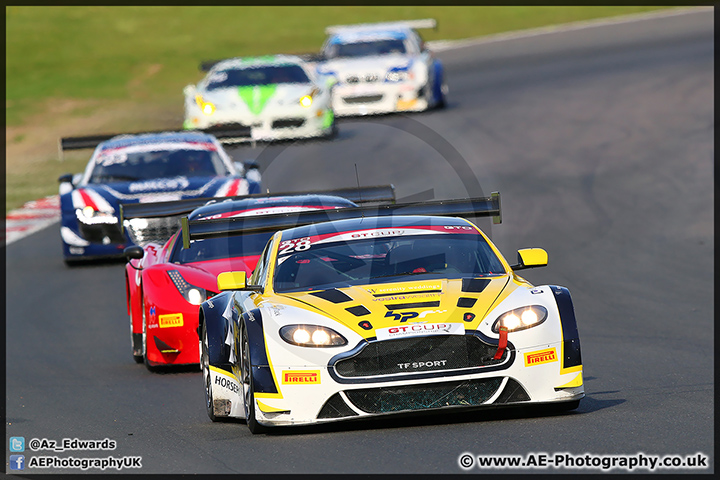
[178, 183]
[420, 329]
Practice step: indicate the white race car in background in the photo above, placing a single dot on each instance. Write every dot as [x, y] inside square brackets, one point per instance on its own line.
[276, 96]
[382, 68]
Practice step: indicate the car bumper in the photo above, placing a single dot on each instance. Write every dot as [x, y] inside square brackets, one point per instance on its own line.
[379, 98]
[171, 331]
[310, 394]
[92, 242]
[305, 123]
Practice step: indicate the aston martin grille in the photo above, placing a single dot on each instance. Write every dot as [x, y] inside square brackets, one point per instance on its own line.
[412, 355]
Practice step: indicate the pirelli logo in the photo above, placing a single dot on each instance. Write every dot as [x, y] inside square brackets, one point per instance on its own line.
[542, 356]
[171, 320]
[300, 377]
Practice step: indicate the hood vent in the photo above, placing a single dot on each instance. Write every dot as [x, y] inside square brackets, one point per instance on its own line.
[475, 285]
[466, 302]
[333, 295]
[358, 310]
[400, 306]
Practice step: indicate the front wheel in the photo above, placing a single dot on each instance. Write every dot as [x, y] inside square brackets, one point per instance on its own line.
[247, 384]
[136, 340]
[207, 378]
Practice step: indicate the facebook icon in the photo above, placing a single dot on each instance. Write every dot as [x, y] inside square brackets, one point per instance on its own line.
[17, 462]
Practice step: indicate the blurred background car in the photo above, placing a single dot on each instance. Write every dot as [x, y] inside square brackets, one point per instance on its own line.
[382, 68]
[142, 168]
[277, 96]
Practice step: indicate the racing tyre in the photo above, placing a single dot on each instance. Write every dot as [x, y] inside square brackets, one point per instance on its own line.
[207, 378]
[333, 132]
[442, 102]
[136, 344]
[247, 384]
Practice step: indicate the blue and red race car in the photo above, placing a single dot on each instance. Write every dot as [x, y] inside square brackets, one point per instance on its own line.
[141, 168]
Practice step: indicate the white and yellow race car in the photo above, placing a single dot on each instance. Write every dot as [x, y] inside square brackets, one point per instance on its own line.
[382, 310]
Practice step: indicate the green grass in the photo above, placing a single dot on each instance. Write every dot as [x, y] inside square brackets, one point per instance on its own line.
[38, 180]
[110, 53]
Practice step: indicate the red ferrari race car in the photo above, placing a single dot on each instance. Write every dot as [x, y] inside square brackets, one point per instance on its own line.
[165, 283]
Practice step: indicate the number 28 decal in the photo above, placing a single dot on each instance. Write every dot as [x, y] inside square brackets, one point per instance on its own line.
[294, 245]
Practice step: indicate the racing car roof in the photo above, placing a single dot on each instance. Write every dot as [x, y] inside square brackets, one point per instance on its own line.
[372, 223]
[397, 25]
[121, 141]
[243, 62]
[356, 36]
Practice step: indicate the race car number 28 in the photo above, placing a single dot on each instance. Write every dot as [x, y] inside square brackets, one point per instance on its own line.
[294, 245]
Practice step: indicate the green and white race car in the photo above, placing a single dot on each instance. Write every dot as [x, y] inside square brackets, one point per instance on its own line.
[277, 96]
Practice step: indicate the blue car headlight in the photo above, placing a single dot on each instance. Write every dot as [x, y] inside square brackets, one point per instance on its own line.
[399, 74]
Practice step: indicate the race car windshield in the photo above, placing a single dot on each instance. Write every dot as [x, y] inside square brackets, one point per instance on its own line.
[365, 49]
[123, 166]
[264, 75]
[219, 248]
[378, 260]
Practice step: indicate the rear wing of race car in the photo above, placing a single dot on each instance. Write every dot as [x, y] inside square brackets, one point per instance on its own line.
[169, 212]
[92, 141]
[373, 194]
[415, 24]
[471, 207]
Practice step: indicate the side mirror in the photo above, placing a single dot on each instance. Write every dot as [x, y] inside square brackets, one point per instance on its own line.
[251, 165]
[189, 89]
[252, 171]
[531, 258]
[133, 252]
[235, 281]
[66, 178]
[330, 81]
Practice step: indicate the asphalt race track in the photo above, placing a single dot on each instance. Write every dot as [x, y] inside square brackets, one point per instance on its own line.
[601, 143]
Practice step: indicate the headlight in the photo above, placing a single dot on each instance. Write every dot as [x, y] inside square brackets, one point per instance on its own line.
[89, 216]
[207, 108]
[306, 101]
[88, 211]
[311, 336]
[194, 295]
[521, 318]
[398, 75]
